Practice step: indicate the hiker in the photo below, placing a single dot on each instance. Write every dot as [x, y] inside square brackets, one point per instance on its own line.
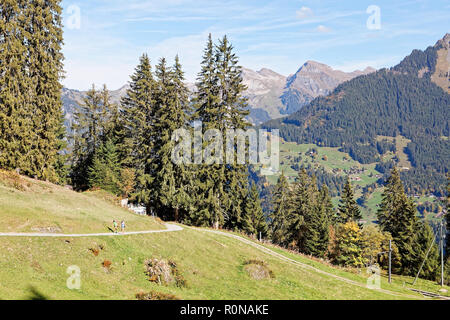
[115, 226]
[122, 225]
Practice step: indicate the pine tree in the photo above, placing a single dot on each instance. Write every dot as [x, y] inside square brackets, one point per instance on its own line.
[15, 111]
[423, 239]
[325, 200]
[279, 223]
[234, 108]
[254, 222]
[310, 217]
[170, 180]
[45, 68]
[137, 114]
[397, 215]
[91, 128]
[31, 108]
[348, 208]
[104, 172]
[220, 105]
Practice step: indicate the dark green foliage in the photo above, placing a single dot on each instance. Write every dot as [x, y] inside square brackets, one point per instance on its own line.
[310, 217]
[104, 171]
[254, 221]
[348, 208]
[423, 241]
[170, 182]
[220, 104]
[279, 218]
[95, 123]
[30, 100]
[397, 215]
[335, 183]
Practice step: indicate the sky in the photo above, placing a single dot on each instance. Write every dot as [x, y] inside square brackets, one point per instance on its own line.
[103, 39]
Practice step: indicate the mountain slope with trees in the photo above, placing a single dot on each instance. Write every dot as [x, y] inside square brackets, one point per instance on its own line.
[402, 101]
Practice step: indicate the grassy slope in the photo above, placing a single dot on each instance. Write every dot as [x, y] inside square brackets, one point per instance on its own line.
[27, 205]
[212, 264]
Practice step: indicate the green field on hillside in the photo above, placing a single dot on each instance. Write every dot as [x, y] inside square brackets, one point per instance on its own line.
[113, 267]
[27, 205]
[341, 164]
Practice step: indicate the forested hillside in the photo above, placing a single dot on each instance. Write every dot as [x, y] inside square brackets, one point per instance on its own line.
[403, 101]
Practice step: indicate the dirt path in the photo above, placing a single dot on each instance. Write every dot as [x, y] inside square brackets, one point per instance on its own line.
[170, 228]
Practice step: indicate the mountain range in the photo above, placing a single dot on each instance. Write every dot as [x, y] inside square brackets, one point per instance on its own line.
[364, 115]
[270, 95]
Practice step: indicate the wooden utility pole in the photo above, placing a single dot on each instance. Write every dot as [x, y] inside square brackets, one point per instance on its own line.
[390, 264]
[442, 252]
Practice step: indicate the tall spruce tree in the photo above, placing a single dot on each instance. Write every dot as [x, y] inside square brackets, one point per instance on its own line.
[44, 39]
[348, 208]
[310, 217]
[104, 172]
[424, 242]
[254, 222]
[91, 128]
[220, 105]
[15, 111]
[30, 100]
[169, 186]
[397, 215]
[280, 216]
[233, 109]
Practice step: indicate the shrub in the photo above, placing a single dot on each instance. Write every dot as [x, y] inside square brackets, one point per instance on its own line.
[164, 272]
[107, 264]
[153, 295]
[258, 269]
[95, 251]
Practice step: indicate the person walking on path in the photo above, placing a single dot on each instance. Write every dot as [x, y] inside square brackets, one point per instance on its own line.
[122, 226]
[115, 226]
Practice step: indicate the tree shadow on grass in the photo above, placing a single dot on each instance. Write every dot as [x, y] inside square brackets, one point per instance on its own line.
[35, 294]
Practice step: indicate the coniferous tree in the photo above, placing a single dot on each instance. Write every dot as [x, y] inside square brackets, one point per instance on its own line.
[169, 187]
[423, 240]
[91, 128]
[309, 229]
[254, 222]
[15, 111]
[31, 132]
[397, 215]
[279, 218]
[137, 114]
[104, 172]
[44, 38]
[234, 109]
[220, 105]
[348, 208]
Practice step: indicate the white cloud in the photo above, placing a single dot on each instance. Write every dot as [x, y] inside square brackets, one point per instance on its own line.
[189, 48]
[304, 13]
[377, 63]
[323, 29]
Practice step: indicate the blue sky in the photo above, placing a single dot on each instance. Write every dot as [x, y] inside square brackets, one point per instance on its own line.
[103, 43]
